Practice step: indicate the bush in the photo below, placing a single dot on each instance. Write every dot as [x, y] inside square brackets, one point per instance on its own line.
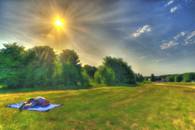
[115, 71]
[187, 77]
[178, 78]
[170, 78]
[105, 75]
[71, 69]
[40, 66]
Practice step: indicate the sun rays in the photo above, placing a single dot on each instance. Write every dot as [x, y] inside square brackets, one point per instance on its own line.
[60, 23]
[65, 24]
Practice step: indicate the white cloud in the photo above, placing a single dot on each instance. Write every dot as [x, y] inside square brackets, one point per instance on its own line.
[191, 35]
[182, 38]
[179, 35]
[190, 38]
[141, 30]
[174, 9]
[170, 2]
[168, 45]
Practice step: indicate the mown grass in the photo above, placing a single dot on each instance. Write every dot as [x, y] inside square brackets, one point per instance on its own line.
[147, 107]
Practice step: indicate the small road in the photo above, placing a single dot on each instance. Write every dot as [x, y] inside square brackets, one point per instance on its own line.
[184, 85]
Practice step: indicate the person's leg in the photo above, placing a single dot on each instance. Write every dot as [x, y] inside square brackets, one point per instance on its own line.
[42, 102]
[45, 103]
[22, 106]
[26, 106]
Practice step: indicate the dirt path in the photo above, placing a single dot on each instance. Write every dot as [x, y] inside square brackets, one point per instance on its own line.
[192, 86]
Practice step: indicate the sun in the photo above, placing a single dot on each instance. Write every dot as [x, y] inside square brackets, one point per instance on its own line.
[60, 23]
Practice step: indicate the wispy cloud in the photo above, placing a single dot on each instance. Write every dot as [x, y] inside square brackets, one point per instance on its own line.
[172, 6]
[142, 30]
[190, 38]
[192, 34]
[174, 42]
[168, 45]
[179, 35]
[170, 2]
[174, 9]
[182, 38]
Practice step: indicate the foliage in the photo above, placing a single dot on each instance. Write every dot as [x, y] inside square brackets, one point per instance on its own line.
[115, 71]
[105, 75]
[12, 60]
[90, 71]
[178, 78]
[170, 78]
[40, 66]
[139, 77]
[152, 78]
[71, 69]
[188, 77]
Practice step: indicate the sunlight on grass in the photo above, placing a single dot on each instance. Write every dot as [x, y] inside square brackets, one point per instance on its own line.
[146, 107]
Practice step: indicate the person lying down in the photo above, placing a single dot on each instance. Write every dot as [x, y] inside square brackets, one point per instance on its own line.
[33, 102]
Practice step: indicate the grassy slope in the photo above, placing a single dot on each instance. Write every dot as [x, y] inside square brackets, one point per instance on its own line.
[145, 107]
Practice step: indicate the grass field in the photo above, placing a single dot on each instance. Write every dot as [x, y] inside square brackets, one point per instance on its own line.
[147, 107]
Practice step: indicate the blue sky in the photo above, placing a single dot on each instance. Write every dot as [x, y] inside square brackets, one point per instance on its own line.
[153, 36]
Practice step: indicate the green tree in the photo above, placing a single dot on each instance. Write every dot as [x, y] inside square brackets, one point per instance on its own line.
[152, 78]
[90, 70]
[69, 57]
[178, 78]
[41, 67]
[121, 71]
[187, 77]
[11, 64]
[139, 78]
[105, 75]
[71, 69]
[170, 78]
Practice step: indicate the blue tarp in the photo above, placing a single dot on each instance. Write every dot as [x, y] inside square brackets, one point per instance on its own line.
[36, 108]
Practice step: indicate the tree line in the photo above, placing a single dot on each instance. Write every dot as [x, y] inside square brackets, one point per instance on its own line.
[185, 77]
[41, 66]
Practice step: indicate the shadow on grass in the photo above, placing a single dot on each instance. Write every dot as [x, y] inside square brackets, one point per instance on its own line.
[4, 90]
[189, 91]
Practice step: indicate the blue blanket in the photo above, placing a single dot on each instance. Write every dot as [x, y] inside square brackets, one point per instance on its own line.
[36, 108]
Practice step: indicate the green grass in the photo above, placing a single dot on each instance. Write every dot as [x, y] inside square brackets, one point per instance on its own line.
[147, 107]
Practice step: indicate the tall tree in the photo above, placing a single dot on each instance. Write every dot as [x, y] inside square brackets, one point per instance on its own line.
[187, 77]
[90, 70]
[71, 68]
[170, 78]
[41, 68]
[11, 64]
[178, 78]
[123, 74]
[152, 77]
[139, 78]
[105, 75]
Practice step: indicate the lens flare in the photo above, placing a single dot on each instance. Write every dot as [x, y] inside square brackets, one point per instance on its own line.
[60, 23]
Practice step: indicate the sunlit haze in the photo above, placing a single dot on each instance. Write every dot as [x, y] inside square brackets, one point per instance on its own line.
[153, 36]
[59, 23]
